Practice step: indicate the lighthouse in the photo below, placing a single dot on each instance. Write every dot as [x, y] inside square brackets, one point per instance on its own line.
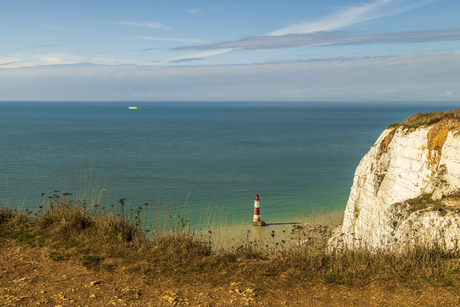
[256, 221]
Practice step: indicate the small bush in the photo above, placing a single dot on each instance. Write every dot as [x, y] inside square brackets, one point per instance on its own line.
[74, 221]
[394, 125]
[421, 202]
[91, 262]
[249, 250]
[5, 215]
[179, 248]
[108, 267]
[116, 229]
[424, 202]
[58, 257]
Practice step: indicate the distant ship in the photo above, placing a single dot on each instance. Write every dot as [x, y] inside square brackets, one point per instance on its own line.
[132, 108]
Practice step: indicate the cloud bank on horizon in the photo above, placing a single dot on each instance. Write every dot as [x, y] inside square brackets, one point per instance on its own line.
[380, 50]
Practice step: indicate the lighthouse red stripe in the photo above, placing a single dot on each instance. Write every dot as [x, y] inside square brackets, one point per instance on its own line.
[256, 211]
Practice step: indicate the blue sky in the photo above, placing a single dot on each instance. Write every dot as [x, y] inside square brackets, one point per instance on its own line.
[330, 50]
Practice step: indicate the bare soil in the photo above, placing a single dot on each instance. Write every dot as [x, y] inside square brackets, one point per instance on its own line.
[29, 277]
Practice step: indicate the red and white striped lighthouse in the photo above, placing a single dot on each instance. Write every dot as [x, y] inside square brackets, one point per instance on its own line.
[256, 221]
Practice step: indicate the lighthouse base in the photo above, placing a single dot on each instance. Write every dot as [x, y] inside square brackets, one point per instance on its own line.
[258, 223]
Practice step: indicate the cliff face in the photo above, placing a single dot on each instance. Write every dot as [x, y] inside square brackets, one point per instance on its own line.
[405, 189]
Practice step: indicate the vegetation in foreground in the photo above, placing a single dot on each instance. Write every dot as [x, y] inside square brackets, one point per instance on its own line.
[101, 238]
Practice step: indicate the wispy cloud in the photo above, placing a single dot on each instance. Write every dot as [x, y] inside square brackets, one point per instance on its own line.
[352, 15]
[388, 91]
[155, 25]
[170, 39]
[325, 31]
[7, 62]
[195, 11]
[186, 60]
[108, 61]
[39, 60]
[193, 57]
[423, 77]
[331, 38]
[151, 49]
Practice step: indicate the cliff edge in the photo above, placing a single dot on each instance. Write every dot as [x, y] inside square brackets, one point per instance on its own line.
[406, 189]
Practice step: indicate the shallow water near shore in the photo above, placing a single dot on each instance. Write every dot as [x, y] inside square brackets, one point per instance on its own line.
[206, 159]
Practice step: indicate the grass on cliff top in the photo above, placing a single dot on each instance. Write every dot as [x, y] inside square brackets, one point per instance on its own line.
[421, 119]
[100, 238]
[426, 202]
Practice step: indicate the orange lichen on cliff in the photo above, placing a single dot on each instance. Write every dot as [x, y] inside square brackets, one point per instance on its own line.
[437, 136]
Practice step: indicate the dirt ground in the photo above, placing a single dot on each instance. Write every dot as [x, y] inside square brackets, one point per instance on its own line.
[28, 277]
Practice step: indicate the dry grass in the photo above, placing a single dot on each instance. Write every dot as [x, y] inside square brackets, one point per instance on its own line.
[422, 119]
[422, 202]
[102, 238]
[448, 203]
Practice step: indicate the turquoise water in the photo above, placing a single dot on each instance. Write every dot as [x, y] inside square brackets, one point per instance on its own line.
[202, 154]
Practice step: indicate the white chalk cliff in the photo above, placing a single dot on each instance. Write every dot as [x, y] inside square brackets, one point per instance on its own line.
[406, 188]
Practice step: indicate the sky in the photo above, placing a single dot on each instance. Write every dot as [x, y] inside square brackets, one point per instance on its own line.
[252, 50]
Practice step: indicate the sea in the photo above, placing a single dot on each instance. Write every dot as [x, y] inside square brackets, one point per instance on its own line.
[204, 159]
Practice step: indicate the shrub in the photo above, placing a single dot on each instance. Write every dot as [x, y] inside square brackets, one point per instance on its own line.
[5, 215]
